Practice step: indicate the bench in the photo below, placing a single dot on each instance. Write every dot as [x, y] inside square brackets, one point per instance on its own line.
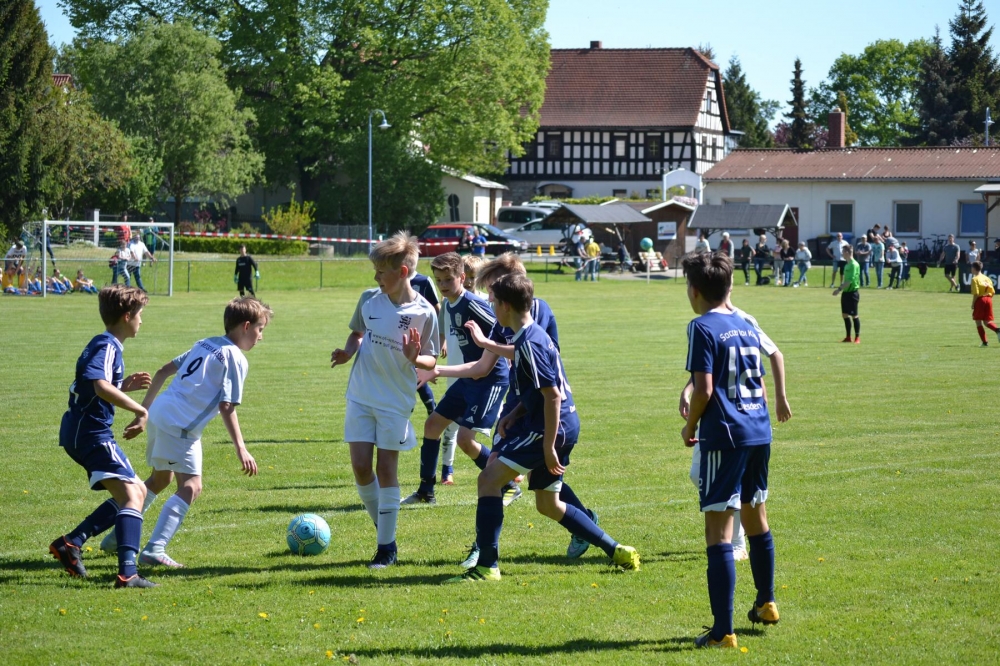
[654, 261]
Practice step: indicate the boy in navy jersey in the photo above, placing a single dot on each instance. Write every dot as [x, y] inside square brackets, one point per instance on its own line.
[471, 402]
[536, 438]
[425, 287]
[728, 419]
[100, 385]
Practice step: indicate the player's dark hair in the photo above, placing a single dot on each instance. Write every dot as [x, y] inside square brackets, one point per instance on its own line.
[116, 301]
[515, 290]
[978, 266]
[245, 309]
[450, 262]
[850, 250]
[711, 273]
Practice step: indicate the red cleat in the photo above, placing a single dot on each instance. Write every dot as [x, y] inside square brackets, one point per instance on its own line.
[847, 339]
[857, 340]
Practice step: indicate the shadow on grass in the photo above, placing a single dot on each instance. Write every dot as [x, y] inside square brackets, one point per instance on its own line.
[312, 440]
[373, 579]
[681, 556]
[578, 645]
[292, 509]
[301, 486]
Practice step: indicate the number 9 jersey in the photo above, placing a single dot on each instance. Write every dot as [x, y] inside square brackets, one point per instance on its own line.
[728, 348]
[213, 371]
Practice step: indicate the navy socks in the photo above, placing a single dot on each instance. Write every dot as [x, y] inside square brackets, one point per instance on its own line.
[489, 522]
[101, 519]
[721, 587]
[568, 497]
[580, 524]
[762, 566]
[428, 463]
[128, 531]
[483, 458]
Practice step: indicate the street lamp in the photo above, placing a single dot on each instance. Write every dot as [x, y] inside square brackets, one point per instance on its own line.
[385, 125]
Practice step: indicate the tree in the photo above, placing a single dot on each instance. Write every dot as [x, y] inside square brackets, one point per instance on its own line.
[467, 79]
[938, 121]
[850, 136]
[25, 94]
[166, 85]
[801, 128]
[747, 112]
[977, 78]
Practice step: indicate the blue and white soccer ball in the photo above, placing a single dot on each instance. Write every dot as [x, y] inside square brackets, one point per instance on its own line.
[646, 244]
[308, 534]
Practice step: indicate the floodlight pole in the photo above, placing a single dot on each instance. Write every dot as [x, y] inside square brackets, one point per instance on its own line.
[385, 125]
[989, 121]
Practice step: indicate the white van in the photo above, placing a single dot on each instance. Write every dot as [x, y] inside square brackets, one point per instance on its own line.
[509, 217]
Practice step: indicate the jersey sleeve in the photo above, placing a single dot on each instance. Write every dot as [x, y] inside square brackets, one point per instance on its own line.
[496, 334]
[539, 366]
[482, 315]
[767, 346]
[101, 364]
[232, 381]
[430, 336]
[179, 361]
[357, 319]
[700, 351]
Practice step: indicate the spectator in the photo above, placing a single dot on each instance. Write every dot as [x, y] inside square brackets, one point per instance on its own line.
[593, 260]
[776, 261]
[624, 259]
[701, 245]
[15, 255]
[973, 254]
[137, 252]
[895, 262]
[465, 242]
[862, 254]
[124, 232]
[877, 256]
[246, 270]
[761, 255]
[745, 254]
[83, 284]
[726, 245]
[479, 244]
[904, 255]
[787, 262]
[803, 257]
[12, 281]
[889, 239]
[949, 257]
[119, 263]
[835, 250]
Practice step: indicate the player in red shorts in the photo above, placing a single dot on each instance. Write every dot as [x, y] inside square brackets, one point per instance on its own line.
[982, 302]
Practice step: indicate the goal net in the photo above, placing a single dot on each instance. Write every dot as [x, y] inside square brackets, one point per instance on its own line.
[140, 254]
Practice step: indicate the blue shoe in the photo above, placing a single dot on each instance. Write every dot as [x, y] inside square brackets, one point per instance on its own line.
[472, 559]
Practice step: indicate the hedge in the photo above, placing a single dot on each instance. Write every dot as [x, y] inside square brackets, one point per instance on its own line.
[232, 245]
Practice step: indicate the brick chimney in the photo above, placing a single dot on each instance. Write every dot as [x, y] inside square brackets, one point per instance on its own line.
[595, 45]
[837, 124]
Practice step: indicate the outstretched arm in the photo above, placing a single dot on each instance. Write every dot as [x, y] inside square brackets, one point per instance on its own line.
[476, 333]
[228, 412]
[342, 356]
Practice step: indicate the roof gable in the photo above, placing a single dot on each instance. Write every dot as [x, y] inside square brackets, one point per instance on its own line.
[616, 213]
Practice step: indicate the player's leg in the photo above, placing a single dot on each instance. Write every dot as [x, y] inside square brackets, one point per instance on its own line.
[189, 487]
[156, 483]
[128, 527]
[847, 326]
[982, 333]
[577, 546]
[386, 469]
[359, 432]
[578, 523]
[429, 448]
[753, 496]
[426, 396]
[449, 440]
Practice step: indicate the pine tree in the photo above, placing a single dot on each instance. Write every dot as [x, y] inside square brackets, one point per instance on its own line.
[801, 128]
[939, 123]
[745, 110]
[975, 67]
[25, 87]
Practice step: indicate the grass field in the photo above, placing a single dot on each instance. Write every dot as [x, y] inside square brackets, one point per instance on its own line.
[880, 497]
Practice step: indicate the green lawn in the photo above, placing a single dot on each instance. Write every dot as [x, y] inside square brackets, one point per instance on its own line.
[880, 496]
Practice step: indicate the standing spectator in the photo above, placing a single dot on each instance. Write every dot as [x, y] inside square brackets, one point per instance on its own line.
[895, 262]
[877, 256]
[15, 255]
[889, 239]
[246, 270]
[119, 263]
[149, 237]
[835, 250]
[746, 252]
[776, 262]
[580, 257]
[701, 245]
[726, 245]
[479, 244]
[787, 262]
[124, 232]
[904, 255]
[137, 252]
[593, 260]
[972, 256]
[624, 259]
[761, 255]
[465, 242]
[949, 257]
[982, 302]
[803, 257]
[862, 253]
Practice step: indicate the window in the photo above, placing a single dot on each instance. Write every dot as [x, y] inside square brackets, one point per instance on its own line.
[453, 212]
[841, 217]
[620, 146]
[907, 218]
[654, 147]
[971, 219]
[475, 215]
[621, 194]
[553, 146]
[708, 101]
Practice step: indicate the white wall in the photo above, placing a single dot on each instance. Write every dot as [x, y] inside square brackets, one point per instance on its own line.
[604, 188]
[469, 195]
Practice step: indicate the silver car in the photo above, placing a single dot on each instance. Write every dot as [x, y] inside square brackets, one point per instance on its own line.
[545, 233]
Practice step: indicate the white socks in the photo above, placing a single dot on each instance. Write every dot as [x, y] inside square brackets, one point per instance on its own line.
[739, 534]
[388, 515]
[369, 497]
[449, 439]
[150, 498]
[171, 517]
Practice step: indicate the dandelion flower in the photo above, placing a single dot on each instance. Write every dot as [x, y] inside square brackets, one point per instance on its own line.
[262, 615]
[316, 626]
[482, 620]
[145, 617]
[62, 611]
[744, 649]
[329, 654]
[593, 584]
[360, 620]
[88, 549]
[820, 559]
[311, 592]
[440, 620]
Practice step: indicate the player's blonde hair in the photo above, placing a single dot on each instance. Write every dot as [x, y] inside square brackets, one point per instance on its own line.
[244, 309]
[506, 264]
[116, 301]
[449, 262]
[473, 262]
[398, 250]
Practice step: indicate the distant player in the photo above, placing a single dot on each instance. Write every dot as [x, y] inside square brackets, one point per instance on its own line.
[99, 386]
[473, 402]
[982, 290]
[536, 439]
[728, 418]
[393, 332]
[246, 271]
[850, 295]
[425, 287]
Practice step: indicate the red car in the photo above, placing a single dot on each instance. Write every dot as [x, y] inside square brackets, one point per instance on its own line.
[440, 238]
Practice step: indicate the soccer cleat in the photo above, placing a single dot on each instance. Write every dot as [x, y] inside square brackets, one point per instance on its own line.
[472, 559]
[847, 339]
[420, 497]
[706, 640]
[69, 556]
[476, 575]
[448, 480]
[383, 559]
[747, 284]
[626, 557]
[998, 334]
[577, 546]
[766, 614]
[740, 555]
[857, 340]
[135, 580]
[158, 558]
[796, 285]
[985, 344]
[109, 544]
[511, 493]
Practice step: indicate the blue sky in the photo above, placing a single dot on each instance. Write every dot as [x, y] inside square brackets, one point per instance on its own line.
[767, 36]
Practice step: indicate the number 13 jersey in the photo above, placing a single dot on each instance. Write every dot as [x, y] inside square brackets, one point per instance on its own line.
[728, 348]
[213, 371]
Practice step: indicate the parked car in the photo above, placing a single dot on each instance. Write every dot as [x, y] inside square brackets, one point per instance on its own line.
[545, 232]
[509, 217]
[546, 205]
[440, 238]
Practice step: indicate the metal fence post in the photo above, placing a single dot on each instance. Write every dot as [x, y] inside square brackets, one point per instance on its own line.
[320, 273]
[189, 277]
[546, 268]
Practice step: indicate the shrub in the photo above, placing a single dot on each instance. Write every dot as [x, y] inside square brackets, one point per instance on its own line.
[232, 246]
[293, 220]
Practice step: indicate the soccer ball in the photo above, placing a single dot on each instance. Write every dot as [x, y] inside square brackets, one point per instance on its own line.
[646, 244]
[308, 534]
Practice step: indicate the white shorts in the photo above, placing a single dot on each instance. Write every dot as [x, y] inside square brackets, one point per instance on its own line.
[386, 430]
[165, 451]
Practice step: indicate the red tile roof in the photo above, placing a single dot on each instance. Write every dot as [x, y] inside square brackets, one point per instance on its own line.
[62, 80]
[864, 164]
[626, 88]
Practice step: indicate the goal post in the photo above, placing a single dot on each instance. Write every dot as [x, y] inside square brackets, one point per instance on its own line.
[88, 246]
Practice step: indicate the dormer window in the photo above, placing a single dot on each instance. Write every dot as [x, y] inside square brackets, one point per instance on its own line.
[708, 101]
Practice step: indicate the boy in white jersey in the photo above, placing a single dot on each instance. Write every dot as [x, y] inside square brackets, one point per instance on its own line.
[393, 332]
[209, 381]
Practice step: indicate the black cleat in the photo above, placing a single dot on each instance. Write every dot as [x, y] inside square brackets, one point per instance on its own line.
[69, 556]
[133, 581]
[383, 559]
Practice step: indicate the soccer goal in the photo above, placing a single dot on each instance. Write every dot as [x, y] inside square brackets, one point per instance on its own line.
[103, 252]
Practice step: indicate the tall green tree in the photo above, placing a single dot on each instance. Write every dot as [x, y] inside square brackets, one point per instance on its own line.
[801, 130]
[939, 123]
[977, 79]
[25, 95]
[748, 113]
[166, 85]
[850, 136]
[881, 86]
[464, 78]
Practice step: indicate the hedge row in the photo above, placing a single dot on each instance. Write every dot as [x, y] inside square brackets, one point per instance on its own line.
[232, 245]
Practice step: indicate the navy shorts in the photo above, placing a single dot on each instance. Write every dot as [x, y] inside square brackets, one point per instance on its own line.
[472, 405]
[521, 450]
[732, 477]
[97, 453]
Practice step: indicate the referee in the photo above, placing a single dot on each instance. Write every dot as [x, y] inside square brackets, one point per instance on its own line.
[849, 294]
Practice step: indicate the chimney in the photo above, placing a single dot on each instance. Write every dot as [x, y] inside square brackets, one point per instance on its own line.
[837, 124]
[595, 45]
